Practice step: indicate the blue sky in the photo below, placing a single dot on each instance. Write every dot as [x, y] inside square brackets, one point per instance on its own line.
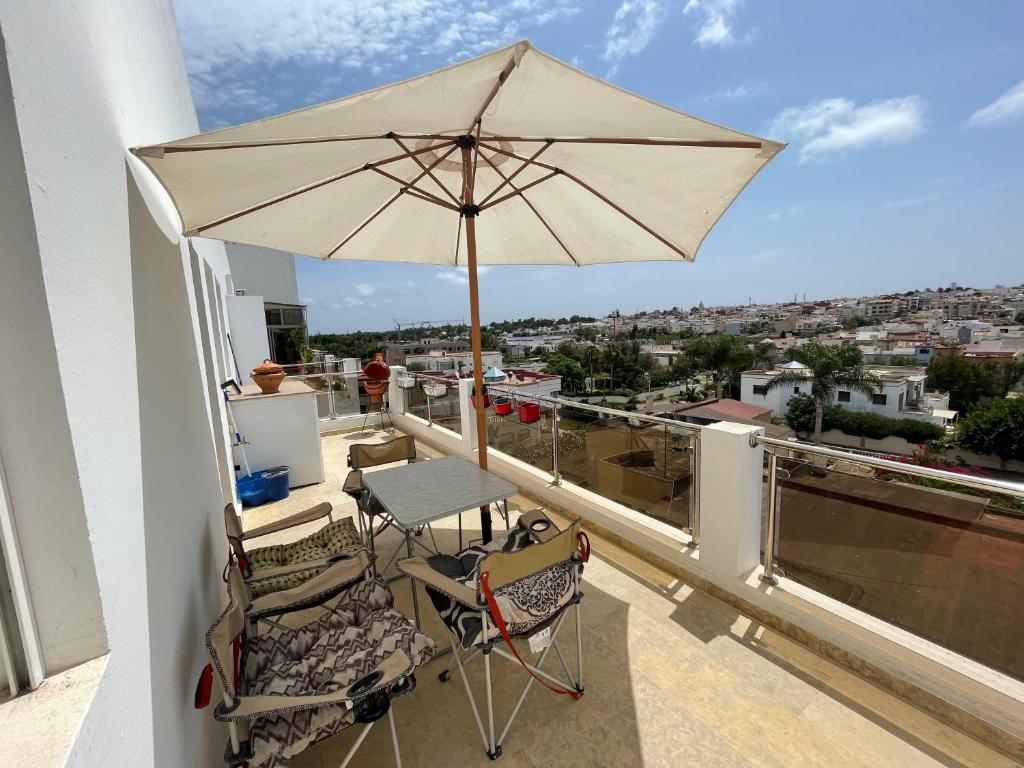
[905, 122]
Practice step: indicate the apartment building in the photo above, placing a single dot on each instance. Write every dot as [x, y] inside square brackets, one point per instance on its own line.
[902, 394]
[398, 352]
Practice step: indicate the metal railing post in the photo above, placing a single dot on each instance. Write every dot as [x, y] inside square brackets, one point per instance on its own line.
[330, 395]
[430, 419]
[556, 475]
[695, 491]
[770, 523]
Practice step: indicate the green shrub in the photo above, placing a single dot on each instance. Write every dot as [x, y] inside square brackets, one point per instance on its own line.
[800, 418]
[995, 429]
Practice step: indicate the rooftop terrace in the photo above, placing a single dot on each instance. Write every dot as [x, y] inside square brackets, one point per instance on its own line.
[674, 677]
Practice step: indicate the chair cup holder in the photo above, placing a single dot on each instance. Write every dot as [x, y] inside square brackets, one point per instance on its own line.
[373, 707]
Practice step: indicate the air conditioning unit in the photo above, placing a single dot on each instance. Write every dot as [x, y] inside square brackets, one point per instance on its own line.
[241, 292]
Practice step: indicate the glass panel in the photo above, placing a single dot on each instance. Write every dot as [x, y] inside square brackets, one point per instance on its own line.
[445, 411]
[416, 401]
[521, 429]
[937, 559]
[346, 393]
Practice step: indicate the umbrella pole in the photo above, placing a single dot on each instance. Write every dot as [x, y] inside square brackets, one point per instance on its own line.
[474, 319]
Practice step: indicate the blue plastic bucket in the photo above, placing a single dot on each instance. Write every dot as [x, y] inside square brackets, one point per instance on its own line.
[252, 489]
[277, 483]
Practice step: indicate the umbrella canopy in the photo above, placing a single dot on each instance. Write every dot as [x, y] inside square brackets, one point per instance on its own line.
[557, 166]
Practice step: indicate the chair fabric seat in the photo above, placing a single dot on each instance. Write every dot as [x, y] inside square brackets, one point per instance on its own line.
[335, 539]
[524, 604]
[325, 656]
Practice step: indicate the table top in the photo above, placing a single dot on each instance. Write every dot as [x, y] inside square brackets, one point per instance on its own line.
[419, 493]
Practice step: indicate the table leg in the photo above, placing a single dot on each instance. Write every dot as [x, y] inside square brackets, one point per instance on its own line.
[412, 582]
[485, 524]
[508, 527]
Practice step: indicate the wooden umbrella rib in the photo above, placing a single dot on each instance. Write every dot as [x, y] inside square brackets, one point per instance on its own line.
[156, 151]
[533, 208]
[502, 76]
[519, 190]
[665, 241]
[715, 144]
[426, 170]
[308, 188]
[408, 185]
[365, 223]
[516, 172]
[380, 210]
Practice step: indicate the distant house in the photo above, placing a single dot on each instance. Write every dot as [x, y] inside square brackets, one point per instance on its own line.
[902, 395]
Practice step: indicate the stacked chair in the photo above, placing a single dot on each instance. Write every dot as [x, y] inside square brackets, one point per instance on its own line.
[285, 566]
[288, 688]
[520, 586]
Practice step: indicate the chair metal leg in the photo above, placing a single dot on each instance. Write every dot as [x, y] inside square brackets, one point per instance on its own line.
[492, 748]
[394, 737]
[355, 747]
[579, 629]
[469, 693]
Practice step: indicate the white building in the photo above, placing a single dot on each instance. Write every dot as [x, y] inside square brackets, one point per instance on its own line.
[115, 461]
[458, 362]
[902, 394]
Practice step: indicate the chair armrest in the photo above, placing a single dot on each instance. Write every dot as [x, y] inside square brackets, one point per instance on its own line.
[527, 519]
[353, 485]
[392, 670]
[323, 509]
[334, 578]
[419, 569]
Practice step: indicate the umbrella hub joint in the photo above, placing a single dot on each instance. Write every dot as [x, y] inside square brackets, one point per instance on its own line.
[469, 211]
[468, 141]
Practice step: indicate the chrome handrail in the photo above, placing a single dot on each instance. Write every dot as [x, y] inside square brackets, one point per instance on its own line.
[970, 481]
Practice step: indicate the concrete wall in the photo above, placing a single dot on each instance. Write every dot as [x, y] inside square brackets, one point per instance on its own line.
[115, 483]
[248, 333]
[264, 272]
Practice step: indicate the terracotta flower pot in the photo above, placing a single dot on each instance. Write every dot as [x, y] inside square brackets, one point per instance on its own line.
[268, 377]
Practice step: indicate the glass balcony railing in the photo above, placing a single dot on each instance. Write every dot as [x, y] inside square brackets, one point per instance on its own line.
[646, 463]
[934, 552]
[432, 399]
[338, 393]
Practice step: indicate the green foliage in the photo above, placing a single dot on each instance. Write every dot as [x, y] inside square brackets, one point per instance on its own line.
[995, 429]
[855, 322]
[573, 378]
[725, 356]
[800, 418]
[969, 382]
[416, 367]
[1019, 317]
[800, 414]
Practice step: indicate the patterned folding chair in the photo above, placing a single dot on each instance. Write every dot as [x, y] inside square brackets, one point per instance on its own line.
[284, 566]
[287, 689]
[519, 586]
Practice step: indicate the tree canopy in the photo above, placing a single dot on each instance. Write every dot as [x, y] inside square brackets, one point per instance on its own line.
[997, 428]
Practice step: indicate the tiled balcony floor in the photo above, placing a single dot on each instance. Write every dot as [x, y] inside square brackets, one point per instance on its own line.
[673, 677]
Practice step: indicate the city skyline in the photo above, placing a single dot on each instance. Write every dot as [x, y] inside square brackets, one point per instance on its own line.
[900, 117]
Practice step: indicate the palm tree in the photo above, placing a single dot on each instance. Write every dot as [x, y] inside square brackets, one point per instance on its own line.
[827, 369]
[723, 355]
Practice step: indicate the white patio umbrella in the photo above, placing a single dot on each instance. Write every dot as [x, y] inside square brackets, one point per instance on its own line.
[558, 166]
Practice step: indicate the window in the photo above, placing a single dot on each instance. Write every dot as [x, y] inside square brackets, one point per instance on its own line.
[761, 389]
[879, 399]
[843, 397]
[796, 389]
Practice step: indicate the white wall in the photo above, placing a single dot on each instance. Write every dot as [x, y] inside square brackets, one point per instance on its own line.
[264, 272]
[248, 333]
[124, 427]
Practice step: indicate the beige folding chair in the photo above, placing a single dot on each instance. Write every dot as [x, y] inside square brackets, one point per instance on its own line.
[289, 688]
[283, 566]
[520, 586]
[365, 455]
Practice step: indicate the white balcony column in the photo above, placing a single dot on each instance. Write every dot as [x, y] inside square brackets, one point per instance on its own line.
[467, 413]
[396, 395]
[730, 500]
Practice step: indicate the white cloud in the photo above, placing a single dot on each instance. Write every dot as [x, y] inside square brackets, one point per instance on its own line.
[226, 40]
[717, 21]
[410, 284]
[836, 126]
[739, 92]
[366, 289]
[631, 30]
[460, 275]
[1009, 106]
[778, 213]
[453, 277]
[352, 301]
[917, 200]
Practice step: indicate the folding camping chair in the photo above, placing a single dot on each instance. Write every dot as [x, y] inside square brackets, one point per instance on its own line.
[283, 566]
[518, 586]
[287, 689]
[364, 455]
